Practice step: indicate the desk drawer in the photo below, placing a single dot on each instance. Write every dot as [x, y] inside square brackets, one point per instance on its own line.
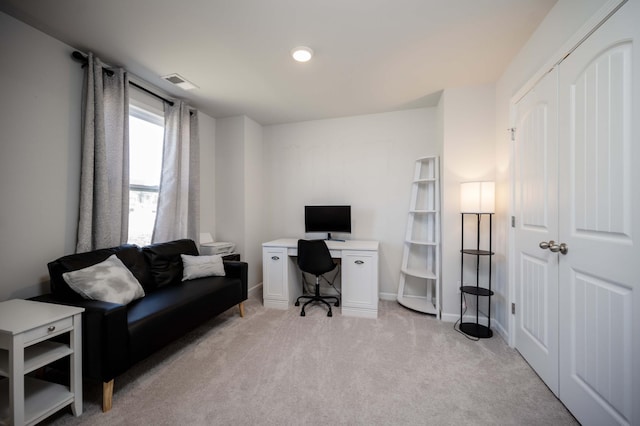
[47, 330]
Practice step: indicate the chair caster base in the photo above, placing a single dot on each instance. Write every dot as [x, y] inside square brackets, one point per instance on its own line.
[297, 303]
[302, 314]
[329, 314]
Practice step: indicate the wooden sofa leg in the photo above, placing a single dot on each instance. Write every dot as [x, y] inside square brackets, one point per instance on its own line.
[241, 306]
[107, 396]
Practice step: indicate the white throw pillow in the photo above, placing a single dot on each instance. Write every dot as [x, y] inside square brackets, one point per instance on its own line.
[107, 281]
[201, 266]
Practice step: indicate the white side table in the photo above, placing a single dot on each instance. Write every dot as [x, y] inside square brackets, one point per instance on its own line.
[26, 328]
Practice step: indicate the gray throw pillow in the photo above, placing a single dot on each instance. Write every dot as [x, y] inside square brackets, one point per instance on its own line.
[107, 281]
[201, 266]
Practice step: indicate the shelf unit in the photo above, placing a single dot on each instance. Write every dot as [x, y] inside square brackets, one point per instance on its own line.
[26, 328]
[476, 329]
[419, 285]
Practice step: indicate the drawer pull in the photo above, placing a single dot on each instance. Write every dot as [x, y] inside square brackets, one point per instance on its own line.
[275, 258]
[51, 328]
[359, 262]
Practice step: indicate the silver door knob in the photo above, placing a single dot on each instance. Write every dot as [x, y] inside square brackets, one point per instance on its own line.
[562, 248]
[553, 247]
[545, 245]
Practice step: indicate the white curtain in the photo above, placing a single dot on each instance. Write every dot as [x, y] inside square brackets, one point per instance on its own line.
[178, 213]
[104, 181]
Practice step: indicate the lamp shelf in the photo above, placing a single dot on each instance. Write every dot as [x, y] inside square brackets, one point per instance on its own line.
[477, 252]
[476, 329]
[476, 291]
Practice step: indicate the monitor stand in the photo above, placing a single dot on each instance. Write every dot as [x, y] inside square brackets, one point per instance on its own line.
[332, 239]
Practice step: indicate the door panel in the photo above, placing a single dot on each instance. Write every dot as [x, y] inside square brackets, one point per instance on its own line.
[599, 211]
[536, 221]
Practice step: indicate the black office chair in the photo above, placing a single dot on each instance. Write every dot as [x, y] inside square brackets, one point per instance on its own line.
[314, 258]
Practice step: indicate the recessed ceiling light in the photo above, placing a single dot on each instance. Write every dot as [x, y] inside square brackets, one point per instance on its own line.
[302, 53]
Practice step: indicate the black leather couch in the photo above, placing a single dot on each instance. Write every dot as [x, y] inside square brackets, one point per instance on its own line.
[114, 336]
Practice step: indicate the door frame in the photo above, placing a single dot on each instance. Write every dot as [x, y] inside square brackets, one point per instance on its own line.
[592, 24]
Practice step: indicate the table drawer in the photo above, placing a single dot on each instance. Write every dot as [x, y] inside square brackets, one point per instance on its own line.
[47, 330]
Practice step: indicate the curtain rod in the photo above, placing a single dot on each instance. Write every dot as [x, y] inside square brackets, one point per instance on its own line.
[82, 58]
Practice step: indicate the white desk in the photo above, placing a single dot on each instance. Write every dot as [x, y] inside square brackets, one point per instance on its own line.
[281, 279]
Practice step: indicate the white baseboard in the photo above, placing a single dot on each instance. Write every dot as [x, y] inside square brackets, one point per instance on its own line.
[449, 317]
[446, 317]
[388, 296]
[467, 318]
[497, 326]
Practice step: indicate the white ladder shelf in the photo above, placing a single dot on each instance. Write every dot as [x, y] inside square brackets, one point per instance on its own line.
[419, 286]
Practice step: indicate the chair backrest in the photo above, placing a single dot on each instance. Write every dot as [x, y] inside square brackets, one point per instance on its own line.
[314, 257]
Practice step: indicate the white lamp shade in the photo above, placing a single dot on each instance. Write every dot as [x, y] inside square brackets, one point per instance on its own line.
[477, 197]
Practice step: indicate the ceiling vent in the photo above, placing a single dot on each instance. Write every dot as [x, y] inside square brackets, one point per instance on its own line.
[179, 81]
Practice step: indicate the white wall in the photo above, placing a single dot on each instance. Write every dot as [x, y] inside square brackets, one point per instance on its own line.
[468, 155]
[542, 49]
[39, 156]
[255, 196]
[207, 128]
[240, 211]
[366, 161]
[40, 119]
[229, 181]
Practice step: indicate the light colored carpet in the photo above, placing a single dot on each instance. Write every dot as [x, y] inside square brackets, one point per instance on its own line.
[276, 368]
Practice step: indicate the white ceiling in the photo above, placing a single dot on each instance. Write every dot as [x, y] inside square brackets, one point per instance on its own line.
[370, 55]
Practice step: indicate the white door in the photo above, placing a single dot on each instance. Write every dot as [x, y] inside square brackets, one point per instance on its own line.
[536, 209]
[599, 206]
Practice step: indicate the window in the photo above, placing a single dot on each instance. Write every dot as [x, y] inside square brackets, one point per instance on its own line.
[146, 135]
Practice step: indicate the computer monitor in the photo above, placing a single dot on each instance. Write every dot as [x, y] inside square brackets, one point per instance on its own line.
[327, 219]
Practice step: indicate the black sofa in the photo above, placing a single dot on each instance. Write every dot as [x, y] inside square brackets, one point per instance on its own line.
[114, 336]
